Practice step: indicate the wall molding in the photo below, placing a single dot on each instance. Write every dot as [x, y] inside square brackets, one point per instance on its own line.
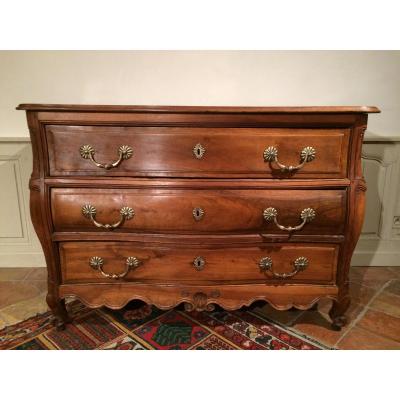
[379, 244]
[19, 245]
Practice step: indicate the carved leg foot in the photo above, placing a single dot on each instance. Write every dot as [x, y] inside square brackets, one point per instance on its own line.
[59, 324]
[60, 314]
[337, 312]
[338, 323]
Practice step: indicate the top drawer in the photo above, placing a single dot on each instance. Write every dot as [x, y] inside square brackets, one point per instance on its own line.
[197, 152]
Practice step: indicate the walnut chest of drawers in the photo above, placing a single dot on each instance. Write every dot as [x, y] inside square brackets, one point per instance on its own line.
[197, 205]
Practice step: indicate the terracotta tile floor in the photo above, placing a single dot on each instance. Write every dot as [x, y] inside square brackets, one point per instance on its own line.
[374, 316]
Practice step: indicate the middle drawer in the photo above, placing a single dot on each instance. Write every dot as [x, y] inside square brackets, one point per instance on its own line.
[319, 212]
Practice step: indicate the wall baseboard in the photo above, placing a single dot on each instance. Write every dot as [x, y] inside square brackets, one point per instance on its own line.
[382, 253]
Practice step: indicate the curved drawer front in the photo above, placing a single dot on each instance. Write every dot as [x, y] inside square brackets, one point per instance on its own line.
[318, 212]
[119, 262]
[197, 152]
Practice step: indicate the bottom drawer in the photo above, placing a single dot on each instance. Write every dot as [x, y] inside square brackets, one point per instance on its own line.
[119, 262]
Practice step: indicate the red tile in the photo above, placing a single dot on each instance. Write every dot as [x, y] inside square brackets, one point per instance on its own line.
[361, 339]
[14, 274]
[381, 324]
[374, 277]
[393, 287]
[14, 291]
[41, 285]
[396, 270]
[387, 303]
[324, 306]
[37, 274]
[361, 294]
[315, 325]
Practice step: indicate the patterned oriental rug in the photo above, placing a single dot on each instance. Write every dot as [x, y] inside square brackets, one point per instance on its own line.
[147, 327]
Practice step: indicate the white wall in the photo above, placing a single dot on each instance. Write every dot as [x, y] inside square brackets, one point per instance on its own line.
[204, 78]
[201, 78]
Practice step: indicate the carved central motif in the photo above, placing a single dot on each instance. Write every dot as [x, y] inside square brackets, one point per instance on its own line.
[200, 301]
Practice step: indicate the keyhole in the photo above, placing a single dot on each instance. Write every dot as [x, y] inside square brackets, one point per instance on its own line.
[199, 263]
[198, 151]
[198, 213]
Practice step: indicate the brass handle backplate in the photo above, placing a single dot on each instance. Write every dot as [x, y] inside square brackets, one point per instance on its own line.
[87, 152]
[90, 211]
[199, 263]
[307, 154]
[271, 214]
[97, 263]
[300, 264]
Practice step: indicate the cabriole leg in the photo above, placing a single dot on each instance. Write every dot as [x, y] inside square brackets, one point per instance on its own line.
[339, 308]
[57, 307]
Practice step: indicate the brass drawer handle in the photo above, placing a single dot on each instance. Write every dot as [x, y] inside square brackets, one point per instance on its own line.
[97, 263]
[300, 264]
[87, 152]
[306, 155]
[199, 263]
[307, 215]
[90, 211]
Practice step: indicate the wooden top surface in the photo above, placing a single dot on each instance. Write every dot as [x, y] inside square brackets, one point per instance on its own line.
[200, 109]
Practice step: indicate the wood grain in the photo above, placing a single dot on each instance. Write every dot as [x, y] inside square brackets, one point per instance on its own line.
[230, 297]
[161, 151]
[163, 210]
[175, 265]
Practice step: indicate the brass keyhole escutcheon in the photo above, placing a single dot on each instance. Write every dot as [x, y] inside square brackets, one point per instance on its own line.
[199, 263]
[198, 151]
[198, 213]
